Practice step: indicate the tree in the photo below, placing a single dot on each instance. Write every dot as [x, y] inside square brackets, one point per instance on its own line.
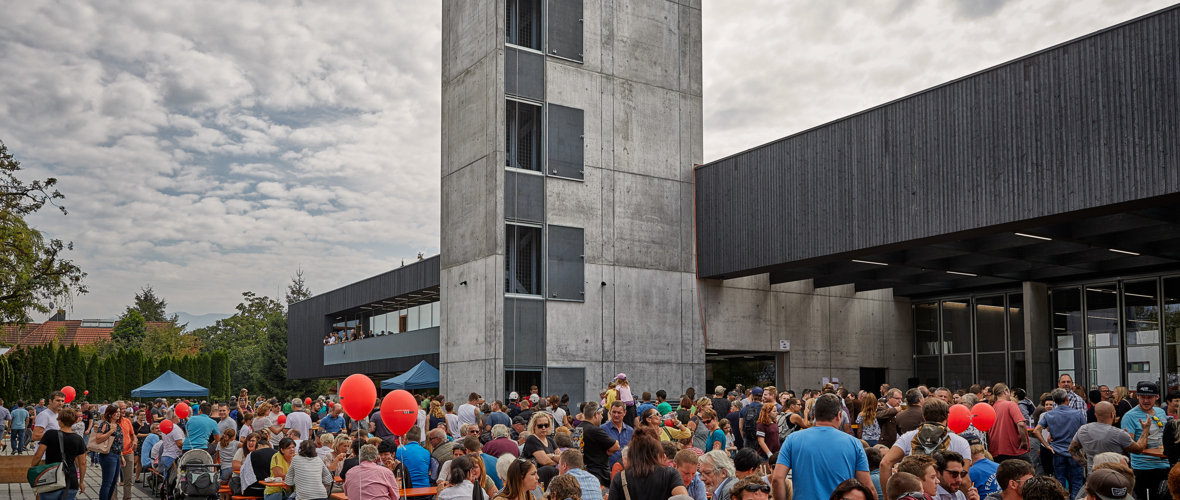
[242, 336]
[150, 306]
[133, 370]
[130, 330]
[34, 275]
[297, 290]
[168, 339]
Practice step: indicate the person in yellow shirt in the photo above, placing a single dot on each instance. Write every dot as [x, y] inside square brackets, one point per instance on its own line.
[653, 418]
[279, 464]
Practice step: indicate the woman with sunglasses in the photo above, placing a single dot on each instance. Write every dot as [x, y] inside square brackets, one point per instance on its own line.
[541, 447]
[651, 418]
[715, 437]
[646, 475]
[752, 487]
[519, 480]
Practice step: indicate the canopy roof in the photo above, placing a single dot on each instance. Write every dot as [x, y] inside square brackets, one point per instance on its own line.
[172, 385]
[421, 376]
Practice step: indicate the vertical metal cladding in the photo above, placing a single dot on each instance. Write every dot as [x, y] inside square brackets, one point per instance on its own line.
[309, 320]
[1088, 123]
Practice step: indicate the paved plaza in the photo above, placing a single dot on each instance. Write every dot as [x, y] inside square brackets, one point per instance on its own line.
[22, 491]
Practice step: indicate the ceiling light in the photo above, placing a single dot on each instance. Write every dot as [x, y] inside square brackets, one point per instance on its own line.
[870, 262]
[1123, 251]
[1033, 236]
[961, 274]
[1138, 295]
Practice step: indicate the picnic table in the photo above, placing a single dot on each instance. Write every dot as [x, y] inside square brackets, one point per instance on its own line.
[404, 493]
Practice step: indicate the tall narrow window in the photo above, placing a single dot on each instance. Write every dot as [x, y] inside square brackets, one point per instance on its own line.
[523, 135]
[523, 26]
[522, 260]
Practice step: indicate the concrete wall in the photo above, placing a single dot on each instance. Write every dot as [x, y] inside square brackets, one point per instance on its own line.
[833, 331]
[640, 87]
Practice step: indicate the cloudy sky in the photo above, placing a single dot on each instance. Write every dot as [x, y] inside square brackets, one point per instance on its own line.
[212, 147]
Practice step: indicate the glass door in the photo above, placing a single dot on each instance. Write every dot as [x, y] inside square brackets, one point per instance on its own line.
[1141, 318]
[1102, 337]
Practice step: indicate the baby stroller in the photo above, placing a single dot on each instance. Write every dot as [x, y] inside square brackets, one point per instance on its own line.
[194, 475]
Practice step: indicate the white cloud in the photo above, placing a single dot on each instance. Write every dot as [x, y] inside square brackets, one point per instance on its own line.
[209, 148]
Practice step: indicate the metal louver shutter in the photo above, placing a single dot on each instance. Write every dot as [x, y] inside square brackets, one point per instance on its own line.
[524, 73]
[565, 29]
[524, 332]
[567, 142]
[524, 197]
[566, 266]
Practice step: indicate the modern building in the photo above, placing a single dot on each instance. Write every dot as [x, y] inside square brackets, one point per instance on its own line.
[1005, 226]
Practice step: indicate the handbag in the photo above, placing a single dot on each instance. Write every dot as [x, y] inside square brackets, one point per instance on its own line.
[97, 447]
[50, 477]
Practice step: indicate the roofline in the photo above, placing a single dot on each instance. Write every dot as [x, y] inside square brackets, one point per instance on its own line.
[407, 266]
[941, 85]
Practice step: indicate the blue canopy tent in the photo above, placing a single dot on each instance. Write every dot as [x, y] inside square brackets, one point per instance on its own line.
[170, 385]
[421, 376]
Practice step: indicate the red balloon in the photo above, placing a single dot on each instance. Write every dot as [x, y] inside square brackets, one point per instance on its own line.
[399, 411]
[307, 401]
[182, 410]
[282, 419]
[984, 416]
[671, 422]
[358, 394]
[959, 419]
[86, 393]
[70, 393]
[166, 426]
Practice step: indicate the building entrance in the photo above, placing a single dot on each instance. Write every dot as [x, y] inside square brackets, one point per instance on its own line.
[729, 368]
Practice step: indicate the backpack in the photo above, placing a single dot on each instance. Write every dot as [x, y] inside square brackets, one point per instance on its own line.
[201, 480]
[930, 438]
[750, 425]
[785, 427]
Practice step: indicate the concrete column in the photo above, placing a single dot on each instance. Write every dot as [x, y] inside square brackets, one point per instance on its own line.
[1038, 339]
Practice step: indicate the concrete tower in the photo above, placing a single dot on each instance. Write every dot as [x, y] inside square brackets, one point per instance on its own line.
[570, 132]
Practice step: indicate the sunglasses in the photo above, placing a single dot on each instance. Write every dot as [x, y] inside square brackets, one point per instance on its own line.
[542, 426]
[956, 473]
[765, 488]
[706, 422]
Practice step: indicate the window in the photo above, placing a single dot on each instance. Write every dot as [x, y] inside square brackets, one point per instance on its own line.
[523, 26]
[523, 135]
[522, 260]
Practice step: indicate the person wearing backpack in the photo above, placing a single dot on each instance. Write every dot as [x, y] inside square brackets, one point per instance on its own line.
[931, 436]
[790, 419]
[749, 419]
[63, 446]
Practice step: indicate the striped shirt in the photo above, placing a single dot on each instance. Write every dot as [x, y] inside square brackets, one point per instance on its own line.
[308, 476]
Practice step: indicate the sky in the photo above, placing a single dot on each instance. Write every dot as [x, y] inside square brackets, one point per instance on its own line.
[215, 147]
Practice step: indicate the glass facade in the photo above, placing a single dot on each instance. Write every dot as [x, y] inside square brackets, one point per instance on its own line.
[963, 341]
[377, 323]
[1113, 333]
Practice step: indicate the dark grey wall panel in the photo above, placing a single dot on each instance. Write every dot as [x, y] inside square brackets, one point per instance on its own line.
[567, 142]
[1086, 124]
[524, 197]
[524, 332]
[566, 265]
[565, 29]
[571, 381]
[309, 320]
[524, 73]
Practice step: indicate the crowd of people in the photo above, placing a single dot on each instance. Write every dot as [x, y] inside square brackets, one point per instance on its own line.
[351, 334]
[741, 443]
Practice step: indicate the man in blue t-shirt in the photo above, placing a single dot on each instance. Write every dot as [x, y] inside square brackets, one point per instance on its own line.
[333, 422]
[416, 459]
[1149, 471]
[20, 422]
[199, 429]
[821, 457]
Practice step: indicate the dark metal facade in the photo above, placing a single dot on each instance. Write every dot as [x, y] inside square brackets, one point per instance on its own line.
[1091, 123]
[309, 320]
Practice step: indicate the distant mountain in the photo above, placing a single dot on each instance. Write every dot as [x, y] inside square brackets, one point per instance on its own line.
[201, 321]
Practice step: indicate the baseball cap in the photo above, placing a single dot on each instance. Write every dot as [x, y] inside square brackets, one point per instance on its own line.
[621, 376]
[735, 394]
[1147, 389]
[513, 396]
[534, 398]
[1108, 484]
[757, 391]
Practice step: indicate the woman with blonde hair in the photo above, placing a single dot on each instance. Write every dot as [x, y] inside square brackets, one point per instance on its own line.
[438, 418]
[539, 446]
[867, 426]
[341, 449]
[1122, 403]
[625, 396]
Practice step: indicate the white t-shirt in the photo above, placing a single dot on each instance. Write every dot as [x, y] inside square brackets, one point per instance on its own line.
[453, 425]
[422, 425]
[299, 420]
[47, 420]
[466, 414]
[170, 449]
[957, 445]
[559, 417]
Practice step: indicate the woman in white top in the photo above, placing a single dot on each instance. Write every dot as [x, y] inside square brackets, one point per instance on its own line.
[464, 473]
[250, 443]
[308, 474]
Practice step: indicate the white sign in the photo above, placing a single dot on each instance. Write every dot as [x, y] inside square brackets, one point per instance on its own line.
[784, 345]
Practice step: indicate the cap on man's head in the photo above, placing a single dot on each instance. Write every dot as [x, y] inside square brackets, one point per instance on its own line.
[513, 396]
[1108, 484]
[518, 420]
[1147, 389]
[534, 398]
[757, 391]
